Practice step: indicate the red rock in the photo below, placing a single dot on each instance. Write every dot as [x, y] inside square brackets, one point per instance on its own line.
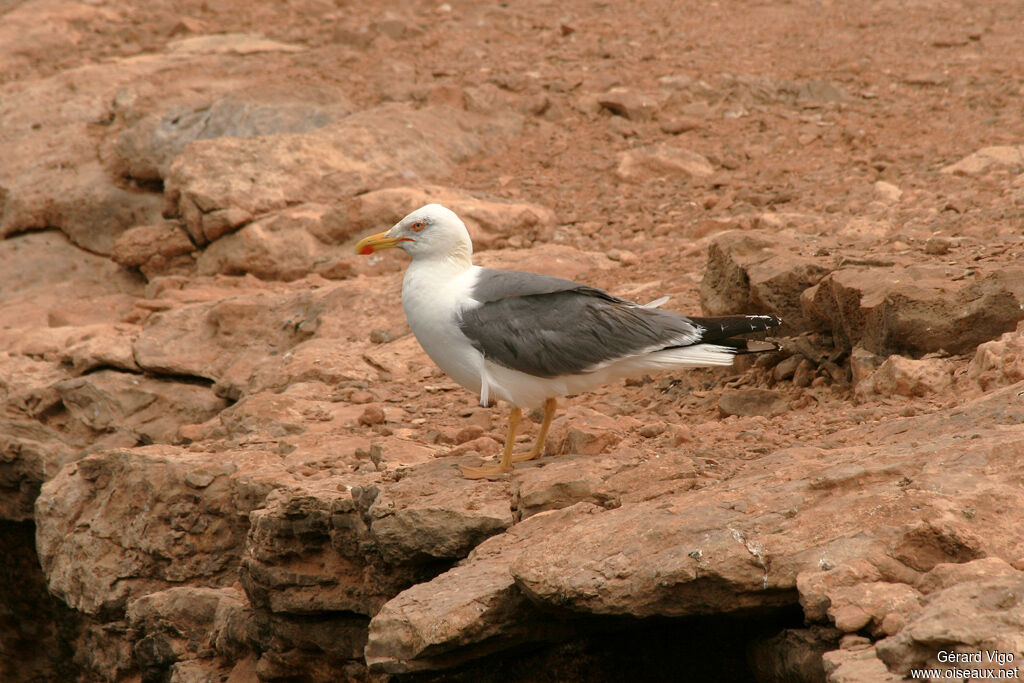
[179, 533]
[563, 483]
[148, 146]
[469, 433]
[879, 517]
[251, 176]
[140, 245]
[804, 373]
[977, 616]
[897, 310]
[649, 164]
[1000, 362]
[748, 402]
[986, 158]
[38, 291]
[757, 272]
[483, 445]
[906, 377]
[146, 408]
[284, 246]
[474, 600]
[371, 415]
[630, 104]
[680, 124]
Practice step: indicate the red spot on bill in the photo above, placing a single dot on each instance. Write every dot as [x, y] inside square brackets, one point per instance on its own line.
[366, 250]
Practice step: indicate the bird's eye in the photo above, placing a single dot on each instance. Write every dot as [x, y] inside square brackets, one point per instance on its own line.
[417, 226]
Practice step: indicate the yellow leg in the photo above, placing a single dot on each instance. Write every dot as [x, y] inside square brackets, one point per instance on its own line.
[538, 447]
[506, 459]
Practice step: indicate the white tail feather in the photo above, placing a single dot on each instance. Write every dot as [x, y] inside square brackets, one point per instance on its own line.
[696, 356]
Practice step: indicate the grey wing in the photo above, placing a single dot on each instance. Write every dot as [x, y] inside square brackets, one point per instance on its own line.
[569, 331]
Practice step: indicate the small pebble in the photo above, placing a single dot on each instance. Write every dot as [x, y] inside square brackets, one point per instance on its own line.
[679, 125]
[469, 433]
[372, 415]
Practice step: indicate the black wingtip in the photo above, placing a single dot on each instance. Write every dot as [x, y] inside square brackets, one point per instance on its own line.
[724, 327]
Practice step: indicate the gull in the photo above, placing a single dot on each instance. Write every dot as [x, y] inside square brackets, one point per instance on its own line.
[526, 338]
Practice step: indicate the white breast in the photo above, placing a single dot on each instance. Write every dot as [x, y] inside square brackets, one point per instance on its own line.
[432, 296]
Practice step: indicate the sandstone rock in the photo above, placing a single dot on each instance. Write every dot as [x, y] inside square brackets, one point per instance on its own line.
[804, 373]
[284, 246]
[158, 249]
[28, 386]
[687, 568]
[461, 612]
[177, 532]
[866, 606]
[865, 232]
[320, 360]
[324, 648]
[273, 415]
[915, 311]
[149, 145]
[149, 410]
[863, 364]
[857, 666]
[230, 43]
[30, 453]
[947, 575]
[976, 616]
[564, 483]
[709, 533]
[786, 368]
[548, 259]
[82, 347]
[36, 291]
[681, 124]
[725, 288]
[225, 339]
[487, 220]
[987, 157]
[52, 173]
[100, 346]
[682, 519]
[748, 402]
[752, 271]
[656, 162]
[630, 104]
[25, 39]
[906, 377]
[174, 627]
[999, 362]
[359, 548]
[887, 192]
[220, 184]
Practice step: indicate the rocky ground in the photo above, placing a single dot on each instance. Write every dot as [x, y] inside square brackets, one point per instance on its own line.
[223, 457]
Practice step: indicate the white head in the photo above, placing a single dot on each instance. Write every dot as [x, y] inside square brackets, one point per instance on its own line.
[429, 232]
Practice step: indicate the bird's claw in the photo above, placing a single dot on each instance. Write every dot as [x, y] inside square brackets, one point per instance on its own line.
[484, 472]
[524, 457]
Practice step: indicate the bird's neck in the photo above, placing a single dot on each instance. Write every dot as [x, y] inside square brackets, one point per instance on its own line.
[453, 262]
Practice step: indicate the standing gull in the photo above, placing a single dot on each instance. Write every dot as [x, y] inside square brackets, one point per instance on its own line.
[526, 338]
